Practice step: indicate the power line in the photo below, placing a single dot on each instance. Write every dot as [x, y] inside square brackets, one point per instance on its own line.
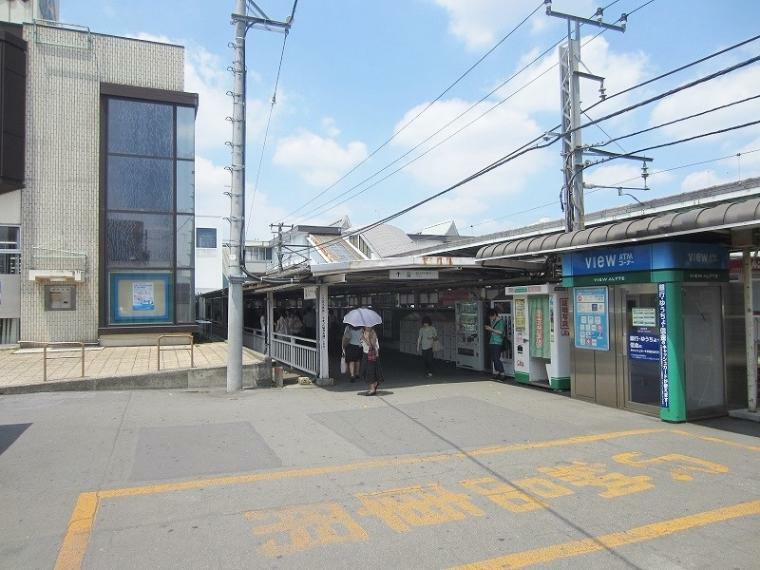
[594, 190]
[679, 120]
[527, 148]
[320, 209]
[420, 113]
[249, 219]
[591, 122]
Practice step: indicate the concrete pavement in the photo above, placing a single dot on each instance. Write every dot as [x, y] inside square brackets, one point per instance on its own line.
[426, 476]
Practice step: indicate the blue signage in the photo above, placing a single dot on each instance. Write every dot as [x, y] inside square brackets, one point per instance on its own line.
[643, 344]
[651, 257]
[663, 322]
[596, 261]
[592, 329]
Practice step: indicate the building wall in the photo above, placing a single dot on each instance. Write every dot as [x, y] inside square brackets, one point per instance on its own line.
[61, 200]
[10, 208]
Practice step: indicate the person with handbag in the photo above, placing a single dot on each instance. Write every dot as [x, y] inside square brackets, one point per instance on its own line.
[426, 342]
[370, 367]
[352, 351]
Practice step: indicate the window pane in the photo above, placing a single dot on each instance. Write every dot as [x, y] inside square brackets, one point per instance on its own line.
[185, 305]
[185, 227]
[185, 132]
[138, 127]
[185, 186]
[139, 240]
[139, 184]
[206, 237]
[9, 237]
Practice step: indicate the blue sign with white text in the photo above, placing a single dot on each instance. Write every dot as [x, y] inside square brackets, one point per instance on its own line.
[644, 344]
[650, 257]
[663, 322]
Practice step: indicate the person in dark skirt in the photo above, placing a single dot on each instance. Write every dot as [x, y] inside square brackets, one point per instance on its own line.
[352, 350]
[370, 367]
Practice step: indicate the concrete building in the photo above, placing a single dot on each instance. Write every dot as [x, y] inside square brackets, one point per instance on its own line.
[105, 211]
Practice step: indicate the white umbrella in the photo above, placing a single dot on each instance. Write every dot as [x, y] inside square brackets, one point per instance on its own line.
[362, 317]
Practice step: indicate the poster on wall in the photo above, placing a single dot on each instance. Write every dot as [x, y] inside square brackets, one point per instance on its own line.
[143, 297]
[519, 303]
[592, 330]
[540, 346]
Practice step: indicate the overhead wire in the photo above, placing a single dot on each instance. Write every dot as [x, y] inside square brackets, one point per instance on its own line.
[622, 181]
[249, 219]
[526, 147]
[419, 114]
[321, 208]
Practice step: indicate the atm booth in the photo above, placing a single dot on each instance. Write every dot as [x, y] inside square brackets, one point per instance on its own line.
[638, 311]
[541, 335]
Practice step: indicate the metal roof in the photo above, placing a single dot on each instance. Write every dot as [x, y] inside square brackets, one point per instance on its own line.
[723, 216]
[332, 249]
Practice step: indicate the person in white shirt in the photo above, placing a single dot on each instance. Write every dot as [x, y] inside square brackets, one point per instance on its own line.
[352, 350]
[425, 341]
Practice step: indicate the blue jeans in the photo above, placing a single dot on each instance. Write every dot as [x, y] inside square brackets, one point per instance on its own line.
[495, 352]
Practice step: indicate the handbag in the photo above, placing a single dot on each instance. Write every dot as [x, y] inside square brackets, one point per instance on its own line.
[343, 365]
[437, 346]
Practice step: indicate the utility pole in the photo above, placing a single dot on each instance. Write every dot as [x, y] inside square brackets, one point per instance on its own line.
[570, 98]
[278, 244]
[242, 22]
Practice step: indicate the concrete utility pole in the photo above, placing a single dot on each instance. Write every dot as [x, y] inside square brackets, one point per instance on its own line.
[570, 97]
[278, 244]
[242, 23]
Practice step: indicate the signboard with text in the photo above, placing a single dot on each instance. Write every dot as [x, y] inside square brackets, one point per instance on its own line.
[412, 274]
[591, 317]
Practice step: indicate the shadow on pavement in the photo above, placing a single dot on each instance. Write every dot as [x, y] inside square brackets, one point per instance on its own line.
[733, 425]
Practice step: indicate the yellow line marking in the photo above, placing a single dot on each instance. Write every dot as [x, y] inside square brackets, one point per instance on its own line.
[616, 539]
[74, 547]
[364, 465]
[716, 440]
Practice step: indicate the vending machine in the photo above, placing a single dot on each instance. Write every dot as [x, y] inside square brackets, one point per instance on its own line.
[470, 334]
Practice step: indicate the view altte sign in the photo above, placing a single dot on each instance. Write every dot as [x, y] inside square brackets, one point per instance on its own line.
[412, 274]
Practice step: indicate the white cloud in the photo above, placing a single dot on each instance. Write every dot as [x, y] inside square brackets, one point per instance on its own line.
[480, 23]
[701, 179]
[211, 181]
[726, 89]
[615, 175]
[331, 129]
[318, 160]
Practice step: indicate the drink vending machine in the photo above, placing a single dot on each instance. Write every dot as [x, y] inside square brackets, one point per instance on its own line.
[470, 334]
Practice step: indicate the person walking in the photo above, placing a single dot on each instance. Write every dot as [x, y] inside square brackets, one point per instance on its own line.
[370, 369]
[496, 328]
[352, 350]
[425, 340]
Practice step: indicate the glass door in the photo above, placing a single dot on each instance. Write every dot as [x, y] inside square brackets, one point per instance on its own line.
[642, 338]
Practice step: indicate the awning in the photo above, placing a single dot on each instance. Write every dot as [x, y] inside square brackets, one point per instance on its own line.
[729, 215]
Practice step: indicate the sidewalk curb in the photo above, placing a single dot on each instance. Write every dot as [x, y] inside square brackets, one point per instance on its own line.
[257, 375]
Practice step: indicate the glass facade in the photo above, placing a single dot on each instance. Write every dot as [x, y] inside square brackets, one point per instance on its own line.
[149, 219]
[206, 238]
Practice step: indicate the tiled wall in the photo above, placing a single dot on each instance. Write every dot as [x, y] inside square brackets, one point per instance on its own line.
[61, 198]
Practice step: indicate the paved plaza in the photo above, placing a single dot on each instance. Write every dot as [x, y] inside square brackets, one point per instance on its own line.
[22, 367]
[465, 473]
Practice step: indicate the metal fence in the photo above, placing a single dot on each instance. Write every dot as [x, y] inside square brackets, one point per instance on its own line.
[255, 339]
[295, 351]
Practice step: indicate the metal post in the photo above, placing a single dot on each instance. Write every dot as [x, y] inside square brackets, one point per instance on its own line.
[270, 322]
[82, 360]
[44, 363]
[749, 332]
[323, 331]
[577, 143]
[237, 209]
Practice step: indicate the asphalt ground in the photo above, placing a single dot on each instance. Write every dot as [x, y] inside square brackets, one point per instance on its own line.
[425, 476]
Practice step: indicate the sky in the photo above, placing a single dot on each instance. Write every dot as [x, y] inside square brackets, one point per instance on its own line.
[355, 73]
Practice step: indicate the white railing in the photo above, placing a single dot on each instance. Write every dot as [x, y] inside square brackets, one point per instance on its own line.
[255, 339]
[295, 351]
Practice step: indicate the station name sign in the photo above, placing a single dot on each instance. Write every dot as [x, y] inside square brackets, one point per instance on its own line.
[650, 257]
[412, 274]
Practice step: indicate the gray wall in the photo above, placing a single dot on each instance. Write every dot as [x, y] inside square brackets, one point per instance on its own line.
[60, 201]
